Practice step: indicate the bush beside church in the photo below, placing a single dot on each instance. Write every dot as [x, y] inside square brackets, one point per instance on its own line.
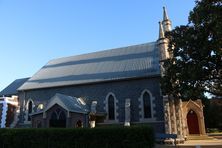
[118, 137]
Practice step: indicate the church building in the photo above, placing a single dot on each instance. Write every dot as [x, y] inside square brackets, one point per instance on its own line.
[117, 86]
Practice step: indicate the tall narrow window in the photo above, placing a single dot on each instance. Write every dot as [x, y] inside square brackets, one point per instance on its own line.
[147, 105]
[111, 108]
[30, 106]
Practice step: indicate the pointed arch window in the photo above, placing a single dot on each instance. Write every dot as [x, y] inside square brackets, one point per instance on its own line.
[30, 107]
[62, 116]
[58, 119]
[111, 108]
[147, 105]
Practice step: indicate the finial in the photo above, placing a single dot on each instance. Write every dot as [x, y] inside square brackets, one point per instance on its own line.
[161, 33]
[165, 16]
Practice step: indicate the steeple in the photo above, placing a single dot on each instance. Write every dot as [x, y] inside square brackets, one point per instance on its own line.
[166, 21]
[163, 42]
[165, 15]
[161, 33]
[164, 26]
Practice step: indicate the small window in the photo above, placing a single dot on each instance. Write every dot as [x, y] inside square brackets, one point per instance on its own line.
[40, 107]
[81, 101]
[79, 124]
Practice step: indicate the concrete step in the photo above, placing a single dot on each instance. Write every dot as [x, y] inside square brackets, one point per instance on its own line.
[199, 137]
[215, 143]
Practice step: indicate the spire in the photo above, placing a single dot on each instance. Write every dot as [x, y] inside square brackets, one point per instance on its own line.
[161, 33]
[165, 16]
[166, 21]
[164, 26]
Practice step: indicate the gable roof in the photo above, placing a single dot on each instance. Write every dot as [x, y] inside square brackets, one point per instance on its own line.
[11, 89]
[69, 103]
[115, 64]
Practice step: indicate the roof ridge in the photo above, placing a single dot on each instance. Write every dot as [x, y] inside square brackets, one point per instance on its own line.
[99, 51]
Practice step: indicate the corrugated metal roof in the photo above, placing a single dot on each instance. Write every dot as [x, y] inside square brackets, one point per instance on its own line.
[69, 103]
[11, 89]
[121, 63]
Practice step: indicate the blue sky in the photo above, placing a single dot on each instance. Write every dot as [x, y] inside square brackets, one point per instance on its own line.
[34, 31]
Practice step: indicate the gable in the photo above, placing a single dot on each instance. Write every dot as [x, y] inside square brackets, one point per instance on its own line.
[115, 64]
[192, 105]
[68, 103]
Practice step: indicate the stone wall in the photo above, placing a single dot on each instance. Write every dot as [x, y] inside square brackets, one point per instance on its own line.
[127, 89]
[36, 119]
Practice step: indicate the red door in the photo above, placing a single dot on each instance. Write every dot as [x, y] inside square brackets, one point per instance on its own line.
[192, 122]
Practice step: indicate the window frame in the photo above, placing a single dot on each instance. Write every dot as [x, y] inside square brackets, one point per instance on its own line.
[106, 108]
[141, 106]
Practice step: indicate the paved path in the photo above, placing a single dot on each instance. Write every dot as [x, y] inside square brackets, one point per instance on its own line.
[203, 142]
[215, 143]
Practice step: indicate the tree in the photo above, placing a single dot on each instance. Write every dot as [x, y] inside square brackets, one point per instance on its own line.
[214, 121]
[196, 64]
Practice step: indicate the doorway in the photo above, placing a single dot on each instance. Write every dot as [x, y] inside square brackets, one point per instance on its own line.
[192, 122]
[58, 119]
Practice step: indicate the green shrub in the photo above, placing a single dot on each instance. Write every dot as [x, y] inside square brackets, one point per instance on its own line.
[213, 130]
[113, 137]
